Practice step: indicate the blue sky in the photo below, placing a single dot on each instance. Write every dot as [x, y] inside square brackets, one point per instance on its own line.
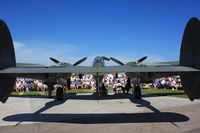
[71, 29]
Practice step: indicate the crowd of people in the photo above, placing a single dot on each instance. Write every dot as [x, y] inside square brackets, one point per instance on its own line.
[86, 82]
[108, 82]
[173, 83]
[24, 84]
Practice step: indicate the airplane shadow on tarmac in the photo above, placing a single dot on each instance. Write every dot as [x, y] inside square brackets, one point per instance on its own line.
[98, 118]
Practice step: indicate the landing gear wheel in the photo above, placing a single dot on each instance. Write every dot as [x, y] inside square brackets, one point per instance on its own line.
[59, 93]
[137, 93]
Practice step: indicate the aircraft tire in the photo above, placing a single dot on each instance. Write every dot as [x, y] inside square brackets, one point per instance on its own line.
[59, 93]
[137, 93]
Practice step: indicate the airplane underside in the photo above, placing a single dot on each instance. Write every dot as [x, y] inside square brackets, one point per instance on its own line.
[188, 67]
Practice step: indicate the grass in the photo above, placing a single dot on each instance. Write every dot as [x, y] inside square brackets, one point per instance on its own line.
[81, 91]
[152, 91]
[164, 92]
[40, 93]
[29, 93]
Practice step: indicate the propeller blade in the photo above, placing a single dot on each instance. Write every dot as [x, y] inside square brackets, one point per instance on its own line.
[116, 61]
[105, 58]
[142, 59]
[80, 61]
[54, 60]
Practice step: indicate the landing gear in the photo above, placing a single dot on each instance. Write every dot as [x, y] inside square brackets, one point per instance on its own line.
[127, 86]
[50, 89]
[59, 93]
[98, 83]
[137, 93]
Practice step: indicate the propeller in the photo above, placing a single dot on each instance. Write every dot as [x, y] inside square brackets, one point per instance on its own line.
[141, 60]
[105, 58]
[54, 60]
[116, 61]
[80, 61]
[75, 64]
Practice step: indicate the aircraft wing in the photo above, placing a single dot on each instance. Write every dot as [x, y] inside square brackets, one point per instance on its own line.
[43, 69]
[169, 63]
[119, 69]
[94, 70]
[26, 64]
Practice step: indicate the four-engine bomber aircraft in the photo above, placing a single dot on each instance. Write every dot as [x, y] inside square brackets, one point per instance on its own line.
[188, 66]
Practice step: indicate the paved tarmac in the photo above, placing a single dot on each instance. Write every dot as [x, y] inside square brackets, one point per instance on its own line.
[85, 113]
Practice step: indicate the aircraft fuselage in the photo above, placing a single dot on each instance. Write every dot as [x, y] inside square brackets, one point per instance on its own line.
[98, 62]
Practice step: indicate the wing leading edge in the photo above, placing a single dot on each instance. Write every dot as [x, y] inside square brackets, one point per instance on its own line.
[108, 69]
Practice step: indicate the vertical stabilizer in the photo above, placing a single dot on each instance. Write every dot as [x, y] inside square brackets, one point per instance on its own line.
[7, 59]
[190, 56]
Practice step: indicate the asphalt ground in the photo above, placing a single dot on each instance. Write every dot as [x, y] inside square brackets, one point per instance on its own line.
[86, 113]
